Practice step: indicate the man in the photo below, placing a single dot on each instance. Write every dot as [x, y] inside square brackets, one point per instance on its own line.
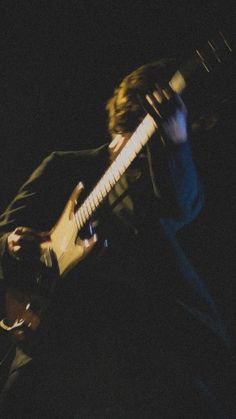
[131, 331]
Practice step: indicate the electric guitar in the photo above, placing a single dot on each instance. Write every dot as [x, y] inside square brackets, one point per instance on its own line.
[64, 246]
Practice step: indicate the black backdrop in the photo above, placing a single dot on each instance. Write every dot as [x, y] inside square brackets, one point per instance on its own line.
[60, 61]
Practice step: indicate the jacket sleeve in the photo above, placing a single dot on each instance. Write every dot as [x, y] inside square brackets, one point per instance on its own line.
[176, 182]
[26, 209]
[42, 198]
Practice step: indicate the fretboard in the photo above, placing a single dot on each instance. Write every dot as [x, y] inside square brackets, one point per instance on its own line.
[118, 167]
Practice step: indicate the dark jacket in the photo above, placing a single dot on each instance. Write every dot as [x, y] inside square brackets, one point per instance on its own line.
[139, 312]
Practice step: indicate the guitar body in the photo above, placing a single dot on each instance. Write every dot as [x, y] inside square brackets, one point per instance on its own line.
[62, 248]
[64, 243]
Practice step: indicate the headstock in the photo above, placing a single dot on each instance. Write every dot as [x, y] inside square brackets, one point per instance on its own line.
[215, 51]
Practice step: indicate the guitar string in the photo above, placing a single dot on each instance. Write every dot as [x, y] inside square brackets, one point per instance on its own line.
[138, 140]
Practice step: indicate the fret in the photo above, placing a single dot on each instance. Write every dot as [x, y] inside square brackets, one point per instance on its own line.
[86, 213]
[115, 171]
[98, 194]
[83, 217]
[125, 160]
[88, 206]
[77, 221]
[93, 206]
[103, 189]
[128, 154]
[78, 216]
[95, 199]
[107, 184]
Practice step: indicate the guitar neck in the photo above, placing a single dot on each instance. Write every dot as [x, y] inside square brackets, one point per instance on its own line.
[127, 155]
[211, 54]
[118, 167]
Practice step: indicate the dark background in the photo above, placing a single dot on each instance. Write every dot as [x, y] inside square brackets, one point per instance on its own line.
[60, 61]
